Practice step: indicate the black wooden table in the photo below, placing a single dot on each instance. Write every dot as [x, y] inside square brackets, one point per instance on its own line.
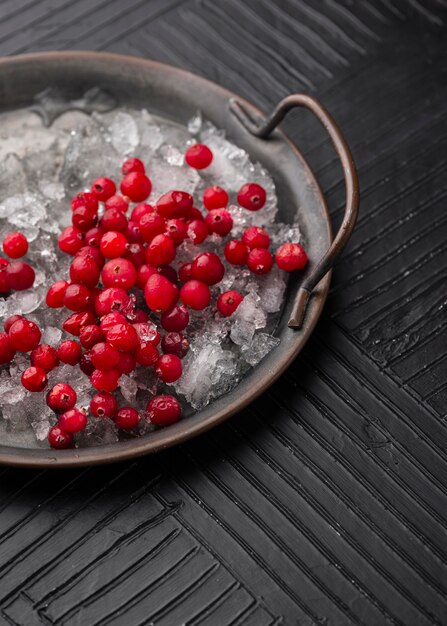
[324, 502]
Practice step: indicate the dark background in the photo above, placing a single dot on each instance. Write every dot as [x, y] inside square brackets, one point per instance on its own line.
[324, 502]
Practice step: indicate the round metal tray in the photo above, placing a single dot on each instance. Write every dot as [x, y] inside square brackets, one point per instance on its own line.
[176, 94]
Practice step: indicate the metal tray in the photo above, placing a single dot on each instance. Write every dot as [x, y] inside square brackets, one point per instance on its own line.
[176, 94]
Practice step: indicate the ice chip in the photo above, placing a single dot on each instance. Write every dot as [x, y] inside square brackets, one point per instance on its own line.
[124, 133]
[259, 347]
[52, 336]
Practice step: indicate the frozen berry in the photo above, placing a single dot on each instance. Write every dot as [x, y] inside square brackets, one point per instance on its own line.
[197, 231]
[84, 270]
[176, 318]
[291, 257]
[175, 343]
[144, 272]
[61, 398]
[71, 240]
[236, 252]
[198, 156]
[77, 297]
[115, 220]
[7, 350]
[104, 405]
[140, 210]
[195, 294]
[208, 268]
[119, 273]
[59, 439]
[19, 276]
[138, 316]
[195, 214]
[163, 410]
[176, 229]
[251, 196]
[104, 357]
[168, 272]
[122, 337]
[56, 293]
[168, 368]
[103, 188]
[127, 418]
[85, 364]
[113, 244]
[75, 322]
[93, 237]
[126, 363]
[69, 352]
[73, 421]
[259, 261]
[112, 299]
[84, 219]
[159, 293]
[10, 321]
[85, 198]
[136, 186]
[151, 225]
[15, 245]
[228, 302]
[160, 251]
[185, 272]
[105, 381]
[219, 221]
[133, 233]
[135, 253]
[147, 354]
[34, 379]
[256, 237]
[92, 253]
[4, 288]
[175, 204]
[115, 317]
[117, 202]
[44, 356]
[215, 198]
[91, 335]
[132, 165]
[24, 335]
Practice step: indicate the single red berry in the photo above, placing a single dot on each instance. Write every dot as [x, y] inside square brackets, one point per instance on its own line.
[19, 276]
[73, 421]
[139, 316]
[10, 321]
[114, 220]
[140, 210]
[185, 272]
[133, 233]
[24, 335]
[93, 237]
[175, 343]
[115, 317]
[7, 350]
[163, 410]
[119, 273]
[75, 322]
[91, 335]
[61, 398]
[195, 214]
[208, 268]
[236, 252]
[105, 381]
[159, 293]
[160, 251]
[228, 302]
[215, 198]
[103, 404]
[256, 237]
[152, 225]
[136, 186]
[122, 337]
[69, 352]
[56, 293]
[4, 288]
[143, 274]
[15, 245]
[77, 297]
[251, 196]
[176, 318]
[259, 261]
[112, 299]
[195, 294]
[147, 332]
[117, 202]
[59, 439]
[104, 357]
[291, 257]
[71, 240]
[197, 231]
[45, 357]
[103, 188]
[127, 363]
[87, 199]
[176, 229]
[85, 364]
[175, 204]
[219, 221]
[113, 244]
[198, 156]
[84, 219]
[91, 253]
[127, 418]
[147, 354]
[132, 164]
[84, 270]
[168, 368]
[168, 272]
[34, 379]
[135, 254]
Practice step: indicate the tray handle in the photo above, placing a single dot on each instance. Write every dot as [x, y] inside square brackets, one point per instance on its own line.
[263, 128]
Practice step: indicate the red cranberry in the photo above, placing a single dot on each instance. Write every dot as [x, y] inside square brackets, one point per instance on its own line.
[127, 363]
[228, 302]
[92, 253]
[7, 350]
[136, 186]
[168, 368]
[61, 398]
[160, 251]
[147, 354]
[176, 229]
[84, 219]
[140, 210]
[91, 335]
[219, 221]
[251, 196]
[85, 271]
[152, 225]
[117, 202]
[34, 379]
[103, 188]
[139, 316]
[236, 252]
[93, 237]
[73, 421]
[175, 318]
[259, 261]
[105, 381]
[175, 343]
[147, 332]
[195, 214]
[77, 297]
[132, 165]
[291, 257]
[45, 357]
[185, 272]
[10, 321]
[4, 288]
[75, 322]
[163, 410]
[69, 352]
[119, 273]
[86, 365]
[104, 357]
[208, 268]
[122, 337]
[215, 198]
[197, 231]
[133, 233]
[136, 254]
[19, 276]
[85, 198]
[115, 220]
[143, 274]
[159, 293]
[115, 317]
[127, 418]
[198, 156]
[195, 294]
[175, 204]
[168, 272]
[59, 439]
[71, 240]
[15, 245]
[24, 335]
[113, 244]
[256, 237]
[104, 405]
[112, 299]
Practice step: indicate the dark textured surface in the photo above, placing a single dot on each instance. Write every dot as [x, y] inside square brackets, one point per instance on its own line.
[325, 501]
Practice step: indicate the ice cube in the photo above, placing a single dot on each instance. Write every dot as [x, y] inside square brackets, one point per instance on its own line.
[11, 390]
[129, 388]
[166, 177]
[261, 345]
[52, 336]
[272, 288]
[195, 123]
[124, 133]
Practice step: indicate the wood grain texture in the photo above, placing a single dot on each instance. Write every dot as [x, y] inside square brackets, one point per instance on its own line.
[324, 502]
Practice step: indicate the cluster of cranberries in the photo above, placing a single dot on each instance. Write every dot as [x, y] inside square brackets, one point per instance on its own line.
[15, 275]
[114, 256]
